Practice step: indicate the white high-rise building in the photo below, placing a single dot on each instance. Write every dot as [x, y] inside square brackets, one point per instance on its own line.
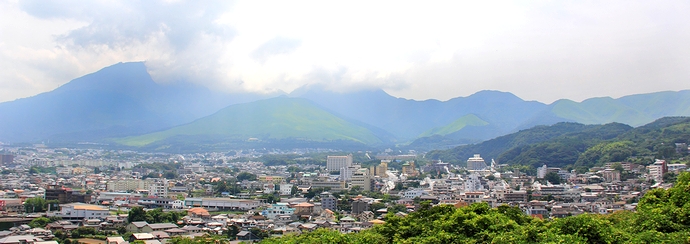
[335, 163]
[476, 163]
[541, 172]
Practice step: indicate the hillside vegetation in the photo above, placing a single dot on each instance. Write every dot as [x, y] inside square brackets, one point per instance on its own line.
[579, 145]
[270, 119]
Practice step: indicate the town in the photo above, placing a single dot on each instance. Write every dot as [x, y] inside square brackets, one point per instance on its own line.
[50, 195]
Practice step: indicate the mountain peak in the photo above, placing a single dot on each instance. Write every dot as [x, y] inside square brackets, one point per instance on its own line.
[123, 77]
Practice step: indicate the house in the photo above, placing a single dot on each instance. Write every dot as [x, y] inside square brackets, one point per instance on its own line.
[19, 239]
[138, 227]
[115, 240]
[161, 227]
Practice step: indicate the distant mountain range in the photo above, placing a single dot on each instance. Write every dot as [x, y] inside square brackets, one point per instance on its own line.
[122, 105]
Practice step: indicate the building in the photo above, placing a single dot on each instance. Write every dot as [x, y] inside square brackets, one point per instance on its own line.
[328, 201]
[476, 163]
[127, 185]
[335, 163]
[286, 189]
[611, 175]
[380, 170]
[657, 171]
[347, 172]
[278, 209]
[334, 186]
[11, 205]
[359, 206]
[408, 168]
[676, 167]
[158, 187]
[228, 204]
[66, 195]
[362, 179]
[81, 211]
[6, 158]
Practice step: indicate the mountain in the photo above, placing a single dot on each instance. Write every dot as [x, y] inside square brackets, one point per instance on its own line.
[122, 100]
[118, 100]
[581, 146]
[275, 119]
[408, 119]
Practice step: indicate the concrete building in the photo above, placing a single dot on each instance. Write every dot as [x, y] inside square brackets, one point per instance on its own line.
[657, 170]
[11, 205]
[286, 189]
[127, 185]
[277, 209]
[328, 201]
[476, 163]
[158, 187]
[362, 179]
[380, 170]
[359, 206]
[335, 163]
[81, 211]
[66, 195]
[611, 175]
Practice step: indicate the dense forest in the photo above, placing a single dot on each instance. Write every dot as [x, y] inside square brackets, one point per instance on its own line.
[577, 145]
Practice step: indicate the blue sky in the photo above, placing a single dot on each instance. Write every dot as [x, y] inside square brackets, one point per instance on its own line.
[538, 50]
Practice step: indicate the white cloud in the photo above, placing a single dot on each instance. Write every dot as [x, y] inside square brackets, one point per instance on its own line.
[537, 50]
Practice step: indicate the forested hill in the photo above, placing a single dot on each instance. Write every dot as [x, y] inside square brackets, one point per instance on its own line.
[578, 145]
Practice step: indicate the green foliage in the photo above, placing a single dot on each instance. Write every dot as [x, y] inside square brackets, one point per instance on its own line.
[39, 222]
[246, 176]
[553, 178]
[154, 216]
[34, 205]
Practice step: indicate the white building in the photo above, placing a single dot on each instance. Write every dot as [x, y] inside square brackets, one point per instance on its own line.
[657, 170]
[476, 163]
[285, 189]
[363, 179]
[79, 211]
[158, 187]
[335, 163]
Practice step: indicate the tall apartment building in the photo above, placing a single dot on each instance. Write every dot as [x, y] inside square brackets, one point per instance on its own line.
[476, 163]
[657, 170]
[328, 201]
[363, 179]
[158, 187]
[155, 187]
[380, 170]
[335, 163]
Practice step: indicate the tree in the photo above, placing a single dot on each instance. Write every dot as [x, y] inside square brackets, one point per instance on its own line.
[618, 166]
[136, 214]
[246, 176]
[553, 177]
[34, 205]
[294, 191]
[39, 222]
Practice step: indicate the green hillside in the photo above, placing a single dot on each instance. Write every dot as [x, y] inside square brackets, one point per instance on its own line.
[271, 119]
[455, 126]
[580, 146]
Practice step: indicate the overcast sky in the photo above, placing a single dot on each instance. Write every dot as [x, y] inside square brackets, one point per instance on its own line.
[538, 50]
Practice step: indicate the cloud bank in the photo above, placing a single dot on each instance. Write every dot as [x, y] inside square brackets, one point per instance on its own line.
[420, 50]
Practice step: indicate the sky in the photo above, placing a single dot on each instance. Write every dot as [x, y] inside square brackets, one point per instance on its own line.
[537, 50]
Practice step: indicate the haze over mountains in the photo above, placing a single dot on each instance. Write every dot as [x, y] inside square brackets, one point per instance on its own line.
[122, 105]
